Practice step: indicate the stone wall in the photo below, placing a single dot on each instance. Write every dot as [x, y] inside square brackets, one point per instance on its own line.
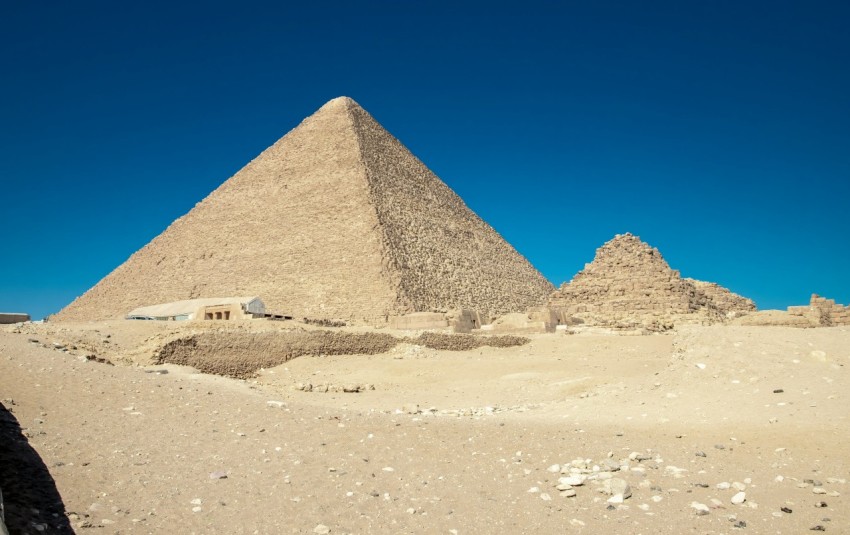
[822, 312]
[335, 220]
[629, 285]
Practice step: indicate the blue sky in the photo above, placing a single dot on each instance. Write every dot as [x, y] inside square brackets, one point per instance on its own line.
[719, 132]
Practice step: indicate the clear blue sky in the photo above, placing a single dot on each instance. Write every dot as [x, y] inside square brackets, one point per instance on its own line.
[719, 132]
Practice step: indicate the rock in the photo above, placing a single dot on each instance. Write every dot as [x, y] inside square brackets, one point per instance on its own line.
[821, 504]
[819, 490]
[616, 499]
[573, 481]
[615, 486]
[817, 528]
[321, 529]
[786, 510]
[568, 493]
[737, 485]
[700, 509]
[278, 404]
[739, 498]
[611, 465]
[220, 474]
[545, 497]
[555, 468]
[778, 391]
[700, 454]
[723, 486]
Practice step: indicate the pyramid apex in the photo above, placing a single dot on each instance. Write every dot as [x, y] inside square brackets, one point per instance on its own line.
[339, 102]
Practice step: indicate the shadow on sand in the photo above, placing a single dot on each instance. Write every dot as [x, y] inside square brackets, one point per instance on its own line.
[32, 503]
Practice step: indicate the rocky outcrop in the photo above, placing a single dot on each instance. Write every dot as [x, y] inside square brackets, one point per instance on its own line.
[629, 285]
[335, 220]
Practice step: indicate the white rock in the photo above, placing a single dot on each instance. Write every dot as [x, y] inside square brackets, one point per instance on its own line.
[739, 498]
[819, 490]
[723, 486]
[569, 493]
[701, 509]
[615, 486]
[738, 485]
[533, 490]
[617, 498]
[545, 497]
[555, 468]
[657, 498]
[573, 481]
[321, 529]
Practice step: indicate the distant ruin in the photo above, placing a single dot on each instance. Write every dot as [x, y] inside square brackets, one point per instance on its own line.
[629, 285]
[336, 220]
[820, 312]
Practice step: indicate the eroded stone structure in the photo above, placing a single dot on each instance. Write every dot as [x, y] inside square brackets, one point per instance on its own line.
[335, 220]
[629, 285]
[822, 312]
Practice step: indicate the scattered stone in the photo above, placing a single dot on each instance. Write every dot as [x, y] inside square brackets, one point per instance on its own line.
[786, 510]
[321, 529]
[701, 454]
[737, 485]
[555, 469]
[778, 391]
[739, 498]
[739, 524]
[723, 486]
[818, 490]
[218, 475]
[821, 505]
[817, 528]
[568, 493]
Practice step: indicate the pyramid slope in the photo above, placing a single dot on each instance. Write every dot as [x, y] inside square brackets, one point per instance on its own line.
[298, 226]
[630, 284]
[446, 255]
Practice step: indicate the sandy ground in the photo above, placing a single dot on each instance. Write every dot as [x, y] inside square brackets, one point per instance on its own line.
[447, 442]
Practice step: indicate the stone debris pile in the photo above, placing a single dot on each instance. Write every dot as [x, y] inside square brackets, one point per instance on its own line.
[629, 285]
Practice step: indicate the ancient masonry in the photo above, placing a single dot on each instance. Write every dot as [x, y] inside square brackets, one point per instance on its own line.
[822, 312]
[335, 220]
[630, 285]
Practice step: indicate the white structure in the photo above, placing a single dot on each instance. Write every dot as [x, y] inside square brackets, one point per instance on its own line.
[206, 308]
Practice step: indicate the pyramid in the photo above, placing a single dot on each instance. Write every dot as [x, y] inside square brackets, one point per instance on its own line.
[629, 284]
[338, 220]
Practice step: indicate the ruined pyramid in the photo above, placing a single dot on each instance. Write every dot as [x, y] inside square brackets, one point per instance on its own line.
[630, 285]
[338, 220]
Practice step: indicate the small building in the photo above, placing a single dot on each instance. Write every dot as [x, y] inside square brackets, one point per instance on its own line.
[7, 318]
[208, 308]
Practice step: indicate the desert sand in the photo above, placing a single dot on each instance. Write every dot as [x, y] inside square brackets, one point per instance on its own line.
[446, 442]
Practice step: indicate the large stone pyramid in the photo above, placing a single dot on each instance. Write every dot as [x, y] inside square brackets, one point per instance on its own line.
[337, 219]
[629, 285]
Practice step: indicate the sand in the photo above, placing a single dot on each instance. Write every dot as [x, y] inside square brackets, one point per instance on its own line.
[446, 442]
